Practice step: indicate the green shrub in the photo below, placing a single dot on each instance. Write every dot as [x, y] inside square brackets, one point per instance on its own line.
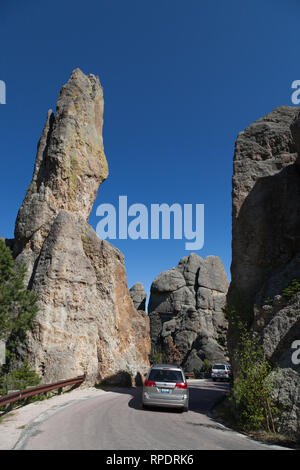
[158, 358]
[287, 293]
[206, 366]
[291, 290]
[18, 379]
[18, 305]
[268, 301]
[251, 399]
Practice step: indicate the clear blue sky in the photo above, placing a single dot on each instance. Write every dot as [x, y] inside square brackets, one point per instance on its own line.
[181, 79]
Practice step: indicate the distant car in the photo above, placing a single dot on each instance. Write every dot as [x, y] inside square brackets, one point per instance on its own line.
[166, 386]
[221, 372]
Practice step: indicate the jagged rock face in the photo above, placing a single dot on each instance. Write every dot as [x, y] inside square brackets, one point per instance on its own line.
[265, 201]
[186, 311]
[70, 164]
[266, 234]
[286, 392]
[138, 296]
[86, 321]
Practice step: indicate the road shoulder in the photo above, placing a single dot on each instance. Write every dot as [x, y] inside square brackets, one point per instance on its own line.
[16, 422]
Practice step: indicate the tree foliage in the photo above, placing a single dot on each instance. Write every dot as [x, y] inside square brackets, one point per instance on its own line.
[251, 394]
[18, 306]
[158, 358]
[252, 405]
[18, 379]
[291, 290]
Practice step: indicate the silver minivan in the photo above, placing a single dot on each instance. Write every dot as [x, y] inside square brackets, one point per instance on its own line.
[221, 372]
[166, 386]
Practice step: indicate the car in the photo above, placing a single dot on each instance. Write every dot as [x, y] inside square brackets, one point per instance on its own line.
[221, 371]
[166, 386]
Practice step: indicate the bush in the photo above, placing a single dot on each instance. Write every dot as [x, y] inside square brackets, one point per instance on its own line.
[291, 290]
[18, 305]
[18, 379]
[158, 358]
[251, 402]
[250, 397]
[206, 366]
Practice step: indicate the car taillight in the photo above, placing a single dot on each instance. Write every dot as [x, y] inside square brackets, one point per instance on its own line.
[226, 372]
[182, 385]
[149, 383]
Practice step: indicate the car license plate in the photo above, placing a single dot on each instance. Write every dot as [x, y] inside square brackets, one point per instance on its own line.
[165, 390]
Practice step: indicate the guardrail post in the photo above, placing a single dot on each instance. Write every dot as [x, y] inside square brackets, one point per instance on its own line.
[8, 407]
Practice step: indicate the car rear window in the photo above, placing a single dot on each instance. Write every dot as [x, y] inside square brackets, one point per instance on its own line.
[165, 375]
[219, 366]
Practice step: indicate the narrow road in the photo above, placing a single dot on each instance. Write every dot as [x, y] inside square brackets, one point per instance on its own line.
[116, 421]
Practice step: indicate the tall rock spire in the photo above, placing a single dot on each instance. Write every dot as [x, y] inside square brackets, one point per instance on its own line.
[70, 163]
[86, 322]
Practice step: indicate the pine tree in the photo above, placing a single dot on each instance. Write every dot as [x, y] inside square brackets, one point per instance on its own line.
[18, 305]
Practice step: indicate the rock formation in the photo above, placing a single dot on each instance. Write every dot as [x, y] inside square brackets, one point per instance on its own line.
[187, 322]
[86, 321]
[266, 243]
[138, 296]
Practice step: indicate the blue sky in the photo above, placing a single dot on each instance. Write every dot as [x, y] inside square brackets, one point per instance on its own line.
[181, 79]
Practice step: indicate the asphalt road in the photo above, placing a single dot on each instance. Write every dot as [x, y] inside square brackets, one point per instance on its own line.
[116, 421]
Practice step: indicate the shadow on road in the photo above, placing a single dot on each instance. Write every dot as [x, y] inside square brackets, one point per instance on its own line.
[204, 395]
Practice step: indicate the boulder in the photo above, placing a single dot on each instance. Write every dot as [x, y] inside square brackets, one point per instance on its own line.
[286, 393]
[138, 296]
[187, 321]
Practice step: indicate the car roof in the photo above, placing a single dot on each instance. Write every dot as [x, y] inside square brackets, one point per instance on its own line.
[166, 366]
[220, 364]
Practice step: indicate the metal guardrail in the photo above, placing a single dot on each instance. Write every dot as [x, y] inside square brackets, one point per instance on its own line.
[30, 392]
